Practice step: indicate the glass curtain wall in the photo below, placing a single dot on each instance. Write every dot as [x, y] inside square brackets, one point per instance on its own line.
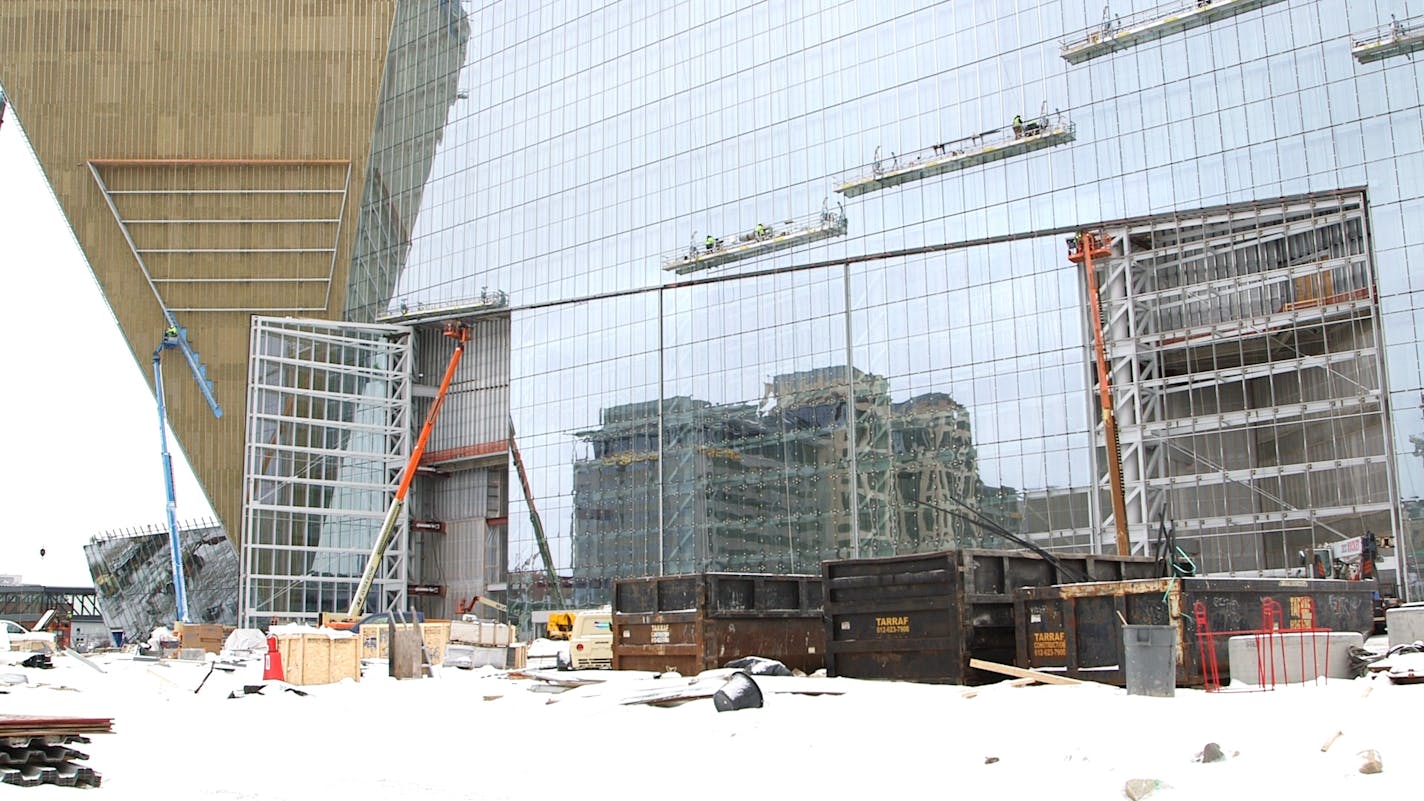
[588, 141]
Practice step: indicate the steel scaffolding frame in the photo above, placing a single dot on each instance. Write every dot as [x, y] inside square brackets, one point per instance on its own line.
[1237, 331]
[328, 434]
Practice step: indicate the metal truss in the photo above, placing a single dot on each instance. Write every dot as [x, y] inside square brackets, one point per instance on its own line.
[185, 221]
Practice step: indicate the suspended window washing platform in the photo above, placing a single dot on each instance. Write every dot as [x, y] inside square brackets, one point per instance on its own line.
[770, 238]
[440, 311]
[1120, 33]
[1398, 38]
[960, 154]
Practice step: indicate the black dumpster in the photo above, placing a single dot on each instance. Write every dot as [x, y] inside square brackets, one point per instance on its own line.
[922, 617]
[696, 622]
[1076, 629]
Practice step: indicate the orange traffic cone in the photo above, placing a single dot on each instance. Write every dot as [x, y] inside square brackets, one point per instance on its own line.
[272, 662]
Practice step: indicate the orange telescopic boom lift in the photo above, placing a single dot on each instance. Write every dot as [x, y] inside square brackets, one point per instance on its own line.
[461, 334]
[1082, 249]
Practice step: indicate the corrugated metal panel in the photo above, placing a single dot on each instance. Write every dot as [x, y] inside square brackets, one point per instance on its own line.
[460, 495]
[476, 412]
[463, 558]
[469, 553]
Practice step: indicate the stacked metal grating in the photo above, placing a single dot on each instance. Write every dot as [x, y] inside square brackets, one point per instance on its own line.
[35, 750]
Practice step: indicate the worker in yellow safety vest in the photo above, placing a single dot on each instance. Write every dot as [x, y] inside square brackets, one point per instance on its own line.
[760, 231]
[710, 243]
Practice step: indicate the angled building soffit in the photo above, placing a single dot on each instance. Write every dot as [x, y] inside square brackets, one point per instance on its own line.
[252, 221]
[209, 159]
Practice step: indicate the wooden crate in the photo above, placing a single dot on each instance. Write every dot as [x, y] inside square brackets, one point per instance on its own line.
[375, 640]
[209, 637]
[319, 659]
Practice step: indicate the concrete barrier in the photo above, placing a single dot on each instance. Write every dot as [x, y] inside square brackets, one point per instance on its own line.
[1292, 658]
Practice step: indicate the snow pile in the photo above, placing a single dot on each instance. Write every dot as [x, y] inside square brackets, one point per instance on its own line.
[245, 641]
[640, 736]
[294, 629]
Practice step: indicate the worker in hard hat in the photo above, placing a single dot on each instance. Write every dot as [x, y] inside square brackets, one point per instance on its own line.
[171, 333]
[760, 231]
[1018, 126]
[710, 243]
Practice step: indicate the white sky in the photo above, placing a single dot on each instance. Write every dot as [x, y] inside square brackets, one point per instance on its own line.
[82, 450]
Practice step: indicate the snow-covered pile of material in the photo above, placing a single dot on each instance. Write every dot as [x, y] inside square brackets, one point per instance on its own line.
[624, 735]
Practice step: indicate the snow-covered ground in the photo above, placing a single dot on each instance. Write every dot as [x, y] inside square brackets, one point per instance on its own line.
[482, 735]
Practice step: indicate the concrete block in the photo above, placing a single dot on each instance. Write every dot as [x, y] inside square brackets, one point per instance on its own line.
[1404, 624]
[1292, 657]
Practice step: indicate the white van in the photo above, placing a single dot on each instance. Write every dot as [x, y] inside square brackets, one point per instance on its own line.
[591, 641]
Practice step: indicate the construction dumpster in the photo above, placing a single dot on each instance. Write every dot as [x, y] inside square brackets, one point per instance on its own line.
[1076, 629]
[696, 622]
[923, 617]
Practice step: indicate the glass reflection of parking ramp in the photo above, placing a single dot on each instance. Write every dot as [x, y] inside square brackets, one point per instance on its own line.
[960, 154]
[1121, 32]
[758, 241]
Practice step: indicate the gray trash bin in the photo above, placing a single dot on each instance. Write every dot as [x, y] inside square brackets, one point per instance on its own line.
[1150, 657]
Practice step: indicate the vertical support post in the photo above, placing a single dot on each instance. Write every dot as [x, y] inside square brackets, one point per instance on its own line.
[1086, 245]
[852, 434]
[175, 558]
[662, 438]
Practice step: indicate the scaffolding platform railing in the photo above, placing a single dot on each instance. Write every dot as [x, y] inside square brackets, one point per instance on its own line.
[1397, 38]
[442, 310]
[1121, 32]
[757, 241]
[960, 154]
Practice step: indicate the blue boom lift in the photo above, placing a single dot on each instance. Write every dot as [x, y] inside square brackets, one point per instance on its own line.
[176, 338]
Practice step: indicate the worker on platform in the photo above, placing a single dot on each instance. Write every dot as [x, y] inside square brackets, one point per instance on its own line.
[1075, 243]
[760, 231]
[171, 332]
[711, 243]
[1018, 126]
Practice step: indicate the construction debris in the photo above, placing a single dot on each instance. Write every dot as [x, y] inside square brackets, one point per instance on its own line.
[740, 692]
[760, 666]
[1022, 673]
[84, 659]
[1138, 789]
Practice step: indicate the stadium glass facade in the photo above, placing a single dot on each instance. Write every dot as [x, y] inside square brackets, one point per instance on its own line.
[922, 370]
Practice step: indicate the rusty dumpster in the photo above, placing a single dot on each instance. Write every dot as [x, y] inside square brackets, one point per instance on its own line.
[922, 617]
[700, 621]
[1076, 629]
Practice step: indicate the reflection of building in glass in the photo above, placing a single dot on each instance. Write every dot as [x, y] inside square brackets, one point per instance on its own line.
[419, 91]
[765, 489]
[134, 577]
[1056, 516]
[936, 475]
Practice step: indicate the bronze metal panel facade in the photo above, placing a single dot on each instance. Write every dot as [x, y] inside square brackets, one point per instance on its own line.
[210, 113]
